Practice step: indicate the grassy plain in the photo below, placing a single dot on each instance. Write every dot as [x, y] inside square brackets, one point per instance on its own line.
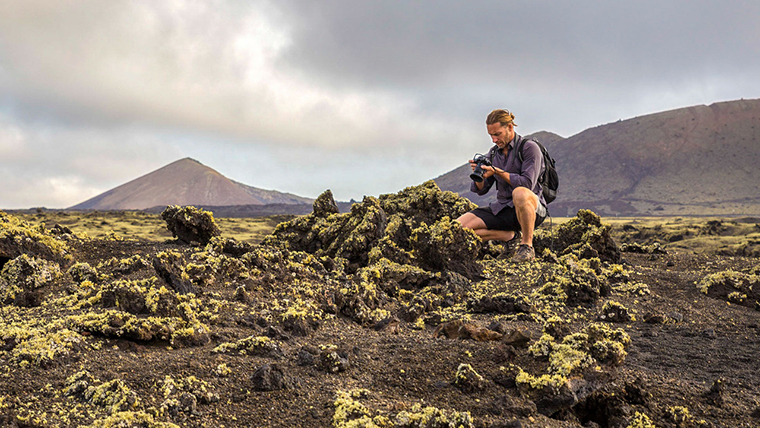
[140, 225]
[699, 235]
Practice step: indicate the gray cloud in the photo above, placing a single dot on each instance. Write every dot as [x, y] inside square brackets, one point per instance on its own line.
[361, 97]
[539, 43]
[529, 53]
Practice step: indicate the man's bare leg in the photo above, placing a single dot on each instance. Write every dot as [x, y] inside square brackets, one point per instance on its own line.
[471, 221]
[526, 203]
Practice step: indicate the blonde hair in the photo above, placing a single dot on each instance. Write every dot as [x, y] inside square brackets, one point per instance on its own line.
[502, 116]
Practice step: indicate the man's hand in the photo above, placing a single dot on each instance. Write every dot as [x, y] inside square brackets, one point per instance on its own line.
[490, 170]
[487, 170]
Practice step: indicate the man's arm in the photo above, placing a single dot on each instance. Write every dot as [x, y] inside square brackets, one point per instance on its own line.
[493, 171]
[531, 167]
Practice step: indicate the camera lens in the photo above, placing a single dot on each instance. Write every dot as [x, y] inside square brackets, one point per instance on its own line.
[477, 174]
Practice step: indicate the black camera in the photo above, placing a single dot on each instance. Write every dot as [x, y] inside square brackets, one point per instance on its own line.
[480, 161]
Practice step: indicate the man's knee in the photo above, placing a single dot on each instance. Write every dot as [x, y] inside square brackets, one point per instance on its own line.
[471, 221]
[522, 196]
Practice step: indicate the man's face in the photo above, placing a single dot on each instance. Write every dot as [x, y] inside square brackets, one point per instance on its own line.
[501, 135]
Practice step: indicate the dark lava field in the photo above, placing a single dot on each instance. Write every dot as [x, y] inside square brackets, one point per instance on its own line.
[390, 315]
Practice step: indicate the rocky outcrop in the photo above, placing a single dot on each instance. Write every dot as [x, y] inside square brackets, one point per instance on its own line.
[584, 235]
[415, 226]
[190, 225]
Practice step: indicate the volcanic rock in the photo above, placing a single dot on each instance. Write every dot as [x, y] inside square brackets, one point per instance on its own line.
[581, 234]
[190, 224]
[459, 329]
[270, 377]
[325, 205]
[468, 380]
[169, 266]
[413, 227]
[21, 277]
[18, 237]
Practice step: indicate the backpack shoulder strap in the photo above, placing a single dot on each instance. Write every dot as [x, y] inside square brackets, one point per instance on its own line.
[520, 146]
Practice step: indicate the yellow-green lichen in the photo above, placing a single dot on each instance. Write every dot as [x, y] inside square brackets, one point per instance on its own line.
[43, 347]
[20, 237]
[640, 420]
[130, 419]
[222, 370]
[566, 359]
[615, 312]
[251, 345]
[527, 380]
[351, 413]
[429, 416]
[25, 273]
[200, 389]
[162, 301]
[467, 379]
[542, 347]
[575, 354]
[81, 272]
[113, 395]
[736, 297]
[194, 333]
[113, 323]
[679, 415]
[729, 279]
[636, 288]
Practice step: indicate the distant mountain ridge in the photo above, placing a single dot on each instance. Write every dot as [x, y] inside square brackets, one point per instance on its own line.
[700, 160]
[185, 182]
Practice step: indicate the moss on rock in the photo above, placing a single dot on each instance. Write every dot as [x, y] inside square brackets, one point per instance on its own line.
[190, 224]
[130, 420]
[25, 274]
[467, 379]
[18, 237]
[584, 234]
[41, 345]
[352, 413]
[113, 323]
[413, 227]
[425, 203]
[81, 272]
[260, 346]
[446, 246]
[113, 395]
[737, 287]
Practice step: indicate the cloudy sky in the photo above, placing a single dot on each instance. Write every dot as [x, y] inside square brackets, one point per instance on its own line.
[361, 97]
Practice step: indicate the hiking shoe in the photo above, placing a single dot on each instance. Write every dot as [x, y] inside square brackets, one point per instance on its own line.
[524, 253]
[510, 246]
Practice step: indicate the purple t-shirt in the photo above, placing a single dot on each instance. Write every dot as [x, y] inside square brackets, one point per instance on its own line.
[521, 174]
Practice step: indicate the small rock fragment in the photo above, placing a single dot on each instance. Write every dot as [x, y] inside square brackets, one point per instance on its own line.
[270, 377]
[468, 380]
[459, 329]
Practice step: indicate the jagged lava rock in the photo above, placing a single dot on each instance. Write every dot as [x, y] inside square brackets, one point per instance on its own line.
[18, 237]
[190, 224]
[325, 204]
[584, 234]
[414, 226]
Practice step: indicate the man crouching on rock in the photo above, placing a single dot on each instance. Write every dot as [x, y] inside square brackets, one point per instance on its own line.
[520, 206]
